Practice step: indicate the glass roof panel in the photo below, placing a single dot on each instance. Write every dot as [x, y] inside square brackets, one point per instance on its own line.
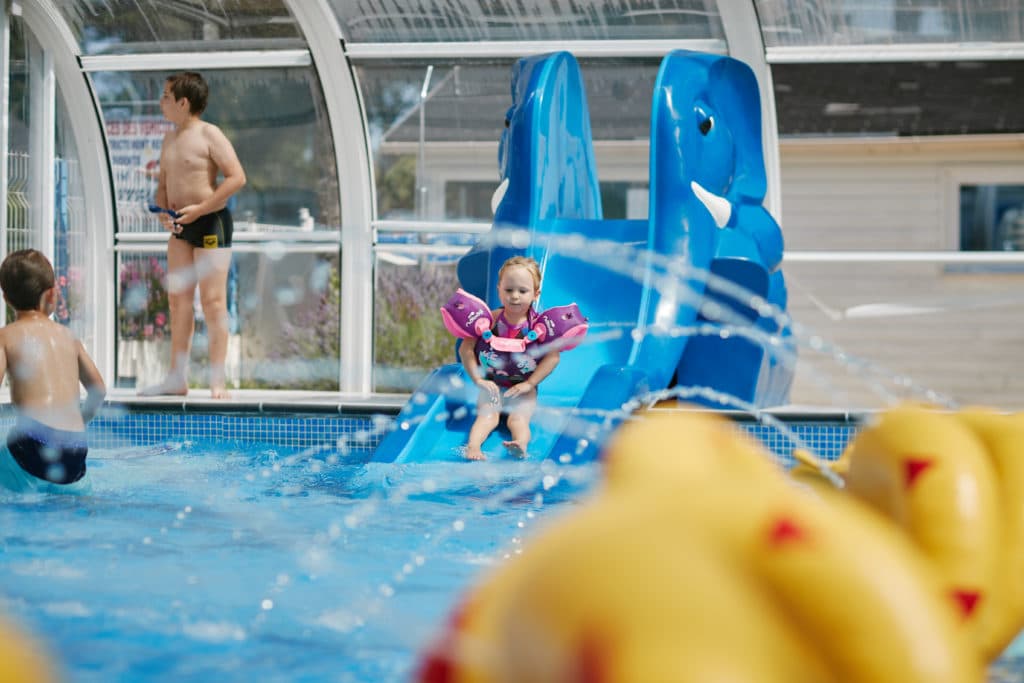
[785, 23]
[105, 27]
[431, 21]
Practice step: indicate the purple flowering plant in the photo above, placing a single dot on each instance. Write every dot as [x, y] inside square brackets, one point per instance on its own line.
[69, 289]
[408, 332]
[144, 309]
[307, 357]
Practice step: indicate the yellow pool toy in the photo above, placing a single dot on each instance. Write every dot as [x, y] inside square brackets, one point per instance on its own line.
[954, 483]
[700, 561]
[1002, 618]
[21, 659]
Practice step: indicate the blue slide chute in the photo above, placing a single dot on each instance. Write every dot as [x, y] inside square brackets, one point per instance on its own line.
[707, 186]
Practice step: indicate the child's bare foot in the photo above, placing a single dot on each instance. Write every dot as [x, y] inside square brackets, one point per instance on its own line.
[515, 448]
[219, 392]
[474, 453]
[171, 386]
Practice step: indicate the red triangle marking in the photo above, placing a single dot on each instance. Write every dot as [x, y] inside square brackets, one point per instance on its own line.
[914, 467]
[967, 601]
[785, 530]
[591, 660]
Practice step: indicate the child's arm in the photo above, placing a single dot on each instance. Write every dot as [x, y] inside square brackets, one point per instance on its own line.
[92, 380]
[161, 188]
[467, 354]
[544, 368]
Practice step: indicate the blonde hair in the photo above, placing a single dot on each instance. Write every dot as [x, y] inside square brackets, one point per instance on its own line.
[526, 262]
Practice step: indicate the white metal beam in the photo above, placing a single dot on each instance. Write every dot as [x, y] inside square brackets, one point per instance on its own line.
[743, 35]
[178, 61]
[56, 38]
[514, 49]
[41, 147]
[355, 172]
[923, 52]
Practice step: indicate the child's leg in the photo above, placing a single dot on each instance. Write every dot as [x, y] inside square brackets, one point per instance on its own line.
[487, 416]
[519, 424]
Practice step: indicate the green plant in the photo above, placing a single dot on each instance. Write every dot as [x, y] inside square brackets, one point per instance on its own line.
[408, 332]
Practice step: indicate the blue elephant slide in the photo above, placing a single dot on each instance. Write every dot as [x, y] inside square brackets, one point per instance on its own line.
[638, 281]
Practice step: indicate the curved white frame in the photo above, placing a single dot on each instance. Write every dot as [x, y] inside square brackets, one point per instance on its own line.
[746, 43]
[351, 150]
[57, 40]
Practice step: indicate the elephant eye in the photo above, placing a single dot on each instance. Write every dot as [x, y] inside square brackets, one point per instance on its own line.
[706, 124]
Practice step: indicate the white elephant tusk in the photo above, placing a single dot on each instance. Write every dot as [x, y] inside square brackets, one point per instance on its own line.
[719, 207]
[499, 194]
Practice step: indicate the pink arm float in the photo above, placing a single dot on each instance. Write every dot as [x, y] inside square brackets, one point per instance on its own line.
[468, 317]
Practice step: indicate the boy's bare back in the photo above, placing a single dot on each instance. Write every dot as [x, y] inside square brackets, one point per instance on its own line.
[45, 364]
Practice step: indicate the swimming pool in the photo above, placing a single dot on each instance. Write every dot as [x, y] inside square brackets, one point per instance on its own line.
[267, 547]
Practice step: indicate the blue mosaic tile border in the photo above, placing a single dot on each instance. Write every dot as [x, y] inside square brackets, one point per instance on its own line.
[824, 439]
[362, 433]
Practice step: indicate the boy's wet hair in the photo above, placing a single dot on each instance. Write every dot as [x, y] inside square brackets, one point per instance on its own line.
[192, 85]
[24, 276]
[526, 262]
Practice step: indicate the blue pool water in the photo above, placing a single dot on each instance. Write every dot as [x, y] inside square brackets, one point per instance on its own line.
[213, 558]
[231, 561]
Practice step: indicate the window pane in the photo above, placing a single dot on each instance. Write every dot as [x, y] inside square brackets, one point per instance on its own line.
[277, 122]
[71, 238]
[410, 340]
[19, 181]
[130, 26]
[284, 322]
[870, 22]
[992, 217]
[143, 320]
[463, 118]
[380, 21]
[289, 320]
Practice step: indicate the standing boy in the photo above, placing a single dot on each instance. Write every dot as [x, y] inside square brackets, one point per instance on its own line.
[199, 249]
[46, 365]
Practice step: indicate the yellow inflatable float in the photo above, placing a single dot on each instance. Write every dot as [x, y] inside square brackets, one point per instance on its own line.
[21, 660]
[704, 562]
[954, 483]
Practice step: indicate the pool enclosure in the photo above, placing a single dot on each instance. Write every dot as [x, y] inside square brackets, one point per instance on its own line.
[369, 133]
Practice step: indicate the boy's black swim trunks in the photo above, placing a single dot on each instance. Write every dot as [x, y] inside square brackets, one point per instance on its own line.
[212, 231]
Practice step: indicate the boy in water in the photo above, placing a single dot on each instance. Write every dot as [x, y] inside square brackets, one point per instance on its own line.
[199, 249]
[508, 377]
[46, 364]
